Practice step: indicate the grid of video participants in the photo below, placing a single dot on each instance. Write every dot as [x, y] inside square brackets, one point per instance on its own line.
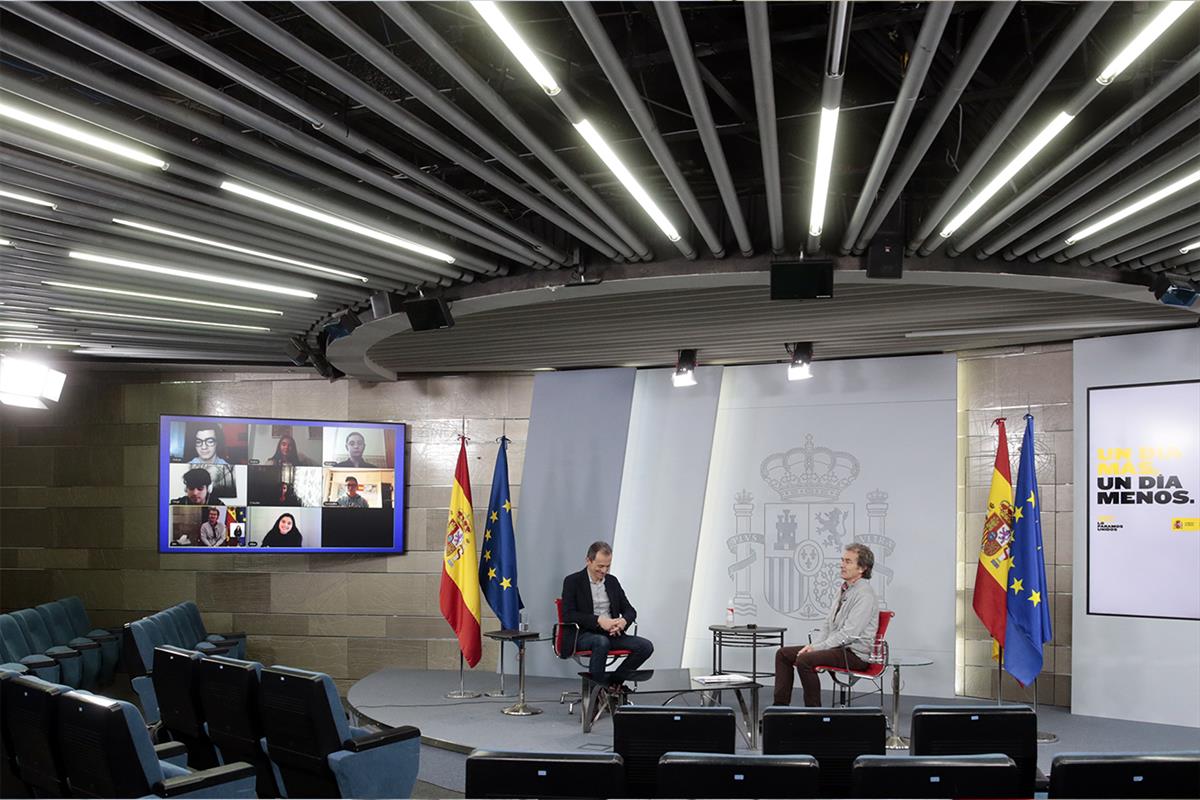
[270, 484]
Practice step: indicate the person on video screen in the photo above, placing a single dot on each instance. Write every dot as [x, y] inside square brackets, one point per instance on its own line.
[356, 443]
[212, 532]
[284, 533]
[207, 440]
[197, 485]
[287, 496]
[286, 452]
[352, 499]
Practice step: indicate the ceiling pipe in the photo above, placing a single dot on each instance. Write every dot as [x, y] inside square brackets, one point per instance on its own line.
[968, 62]
[336, 23]
[1157, 251]
[1181, 260]
[1140, 237]
[758, 35]
[1134, 153]
[423, 34]
[1064, 47]
[1185, 71]
[1157, 213]
[837, 48]
[680, 46]
[415, 202]
[597, 40]
[936, 17]
[1063, 224]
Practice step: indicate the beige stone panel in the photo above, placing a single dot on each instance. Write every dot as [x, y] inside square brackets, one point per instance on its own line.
[233, 591]
[518, 395]
[366, 656]
[435, 430]
[1015, 692]
[1064, 537]
[97, 588]
[27, 466]
[1062, 690]
[271, 624]
[122, 559]
[58, 558]
[979, 682]
[326, 654]
[481, 395]
[979, 653]
[431, 497]
[1063, 576]
[218, 621]
[407, 627]
[435, 528]
[155, 589]
[429, 561]
[1056, 417]
[311, 593]
[313, 399]
[976, 383]
[89, 466]
[1049, 539]
[140, 529]
[415, 534]
[391, 401]
[1062, 619]
[346, 562]
[444, 654]
[1062, 660]
[1066, 494]
[435, 464]
[389, 594]
[350, 625]
[143, 402]
[235, 398]
[141, 466]
[206, 562]
[278, 562]
[1045, 690]
[26, 527]
[21, 588]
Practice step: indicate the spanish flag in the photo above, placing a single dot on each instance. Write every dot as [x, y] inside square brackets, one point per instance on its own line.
[459, 592]
[991, 576]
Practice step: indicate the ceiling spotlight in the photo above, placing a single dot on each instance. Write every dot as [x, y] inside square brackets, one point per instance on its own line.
[80, 135]
[27, 383]
[799, 368]
[1189, 247]
[1174, 290]
[297, 350]
[685, 369]
[24, 198]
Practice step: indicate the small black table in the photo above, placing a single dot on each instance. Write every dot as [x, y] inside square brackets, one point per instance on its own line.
[737, 636]
[519, 708]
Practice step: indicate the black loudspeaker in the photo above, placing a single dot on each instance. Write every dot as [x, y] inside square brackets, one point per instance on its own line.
[385, 304]
[811, 279]
[885, 256]
[428, 314]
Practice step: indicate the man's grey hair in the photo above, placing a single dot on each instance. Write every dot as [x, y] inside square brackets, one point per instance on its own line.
[599, 548]
[866, 559]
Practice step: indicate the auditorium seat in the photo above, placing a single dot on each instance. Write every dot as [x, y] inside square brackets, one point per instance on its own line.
[494, 773]
[176, 679]
[10, 783]
[106, 752]
[983, 775]
[229, 690]
[30, 719]
[316, 750]
[738, 775]
[833, 736]
[1131, 775]
[643, 734]
[965, 730]
[109, 641]
[69, 660]
[236, 642]
[54, 618]
[17, 655]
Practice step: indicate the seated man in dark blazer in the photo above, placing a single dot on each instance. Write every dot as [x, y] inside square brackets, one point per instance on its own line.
[595, 601]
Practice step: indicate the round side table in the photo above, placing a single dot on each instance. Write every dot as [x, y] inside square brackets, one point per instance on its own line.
[896, 741]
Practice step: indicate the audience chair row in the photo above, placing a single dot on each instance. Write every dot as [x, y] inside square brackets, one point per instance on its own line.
[288, 723]
[179, 626]
[57, 642]
[64, 742]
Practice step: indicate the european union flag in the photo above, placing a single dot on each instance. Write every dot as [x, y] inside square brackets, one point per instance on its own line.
[498, 562]
[1028, 624]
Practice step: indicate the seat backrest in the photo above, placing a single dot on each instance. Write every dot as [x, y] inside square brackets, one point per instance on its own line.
[34, 629]
[984, 775]
[493, 773]
[965, 730]
[191, 626]
[739, 775]
[13, 640]
[30, 718]
[77, 614]
[885, 619]
[642, 734]
[176, 686]
[106, 750]
[192, 611]
[1133, 775]
[182, 634]
[55, 619]
[146, 635]
[229, 689]
[834, 736]
[303, 722]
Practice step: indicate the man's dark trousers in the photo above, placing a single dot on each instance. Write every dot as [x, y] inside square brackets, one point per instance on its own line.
[601, 643]
[805, 665]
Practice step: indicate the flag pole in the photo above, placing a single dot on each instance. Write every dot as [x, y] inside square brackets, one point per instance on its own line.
[461, 692]
[999, 675]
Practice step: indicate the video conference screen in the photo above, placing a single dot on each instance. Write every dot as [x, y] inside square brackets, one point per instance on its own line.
[234, 484]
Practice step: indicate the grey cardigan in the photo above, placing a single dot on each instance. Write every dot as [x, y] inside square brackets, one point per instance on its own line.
[855, 624]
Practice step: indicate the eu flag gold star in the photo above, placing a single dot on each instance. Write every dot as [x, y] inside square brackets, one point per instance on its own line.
[506, 584]
[491, 573]
[1031, 500]
[1016, 586]
[487, 534]
[507, 506]
[487, 555]
[1017, 514]
[495, 516]
[1035, 597]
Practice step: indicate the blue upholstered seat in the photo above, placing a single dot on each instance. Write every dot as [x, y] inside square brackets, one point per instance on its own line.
[319, 754]
[54, 618]
[107, 752]
[177, 688]
[229, 690]
[110, 642]
[30, 719]
[18, 649]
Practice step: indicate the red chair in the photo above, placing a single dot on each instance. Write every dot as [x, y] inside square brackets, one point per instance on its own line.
[877, 664]
[581, 656]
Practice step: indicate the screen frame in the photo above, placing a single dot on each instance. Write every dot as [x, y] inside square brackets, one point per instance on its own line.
[399, 499]
[1087, 529]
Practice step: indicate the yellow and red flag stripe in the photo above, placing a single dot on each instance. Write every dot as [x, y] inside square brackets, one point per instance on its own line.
[458, 595]
[991, 575]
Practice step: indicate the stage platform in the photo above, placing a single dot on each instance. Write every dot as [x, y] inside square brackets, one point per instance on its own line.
[394, 697]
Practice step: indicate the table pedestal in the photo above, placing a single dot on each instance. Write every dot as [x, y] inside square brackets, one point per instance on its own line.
[520, 708]
[895, 741]
[499, 692]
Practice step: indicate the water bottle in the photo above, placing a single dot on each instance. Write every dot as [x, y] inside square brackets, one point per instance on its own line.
[729, 612]
[523, 624]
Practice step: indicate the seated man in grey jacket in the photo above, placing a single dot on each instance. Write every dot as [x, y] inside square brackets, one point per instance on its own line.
[845, 638]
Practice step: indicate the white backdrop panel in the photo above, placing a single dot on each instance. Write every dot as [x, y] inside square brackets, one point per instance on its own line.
[862, 452]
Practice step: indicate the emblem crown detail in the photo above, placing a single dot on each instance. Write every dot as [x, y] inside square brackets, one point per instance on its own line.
[809, 472]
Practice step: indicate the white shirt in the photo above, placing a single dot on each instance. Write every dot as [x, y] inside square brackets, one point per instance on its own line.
[600, 603]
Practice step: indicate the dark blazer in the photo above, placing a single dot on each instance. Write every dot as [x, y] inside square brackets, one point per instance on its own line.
[577, 606]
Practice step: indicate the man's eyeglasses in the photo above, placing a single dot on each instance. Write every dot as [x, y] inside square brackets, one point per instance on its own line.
[210, 442]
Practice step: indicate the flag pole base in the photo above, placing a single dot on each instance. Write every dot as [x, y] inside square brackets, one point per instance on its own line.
[521, 709]
[896, 742]
[462, 692]
[1045, 737]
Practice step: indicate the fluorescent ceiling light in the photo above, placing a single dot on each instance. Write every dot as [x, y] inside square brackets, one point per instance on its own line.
[24, 198]
[21, 401]
[237, 249]
[337, 222]
[166, 298]
[1133, 208]
[25, 326]
[1034, 328]
[516, 45]
[1157, 26]
[5, 243]
[825, 141]
[47, 342]
[202, 323]
[616, 167]
[1187, 248]
[82, 136]
[192, 276]
[1010, 169]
